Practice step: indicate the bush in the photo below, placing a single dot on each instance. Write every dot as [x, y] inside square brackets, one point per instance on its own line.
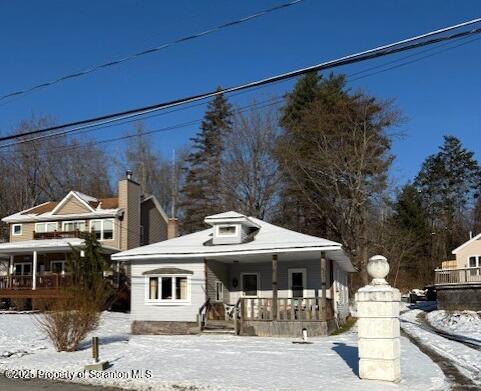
[76, 312]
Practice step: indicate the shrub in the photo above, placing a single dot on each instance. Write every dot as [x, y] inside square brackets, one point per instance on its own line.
[76, 311]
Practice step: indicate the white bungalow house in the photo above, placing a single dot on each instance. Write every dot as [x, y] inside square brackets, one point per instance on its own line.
[242, 272]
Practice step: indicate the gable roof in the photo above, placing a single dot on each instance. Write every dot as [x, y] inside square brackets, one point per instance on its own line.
[157, 205]
[94, 207]
[465, 244]
[83, 198]
[269, 239]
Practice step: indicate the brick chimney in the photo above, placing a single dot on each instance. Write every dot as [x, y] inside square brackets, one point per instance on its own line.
[173, 228]
[129, 201]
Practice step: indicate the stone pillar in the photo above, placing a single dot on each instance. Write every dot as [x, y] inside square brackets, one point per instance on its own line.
[378, 325]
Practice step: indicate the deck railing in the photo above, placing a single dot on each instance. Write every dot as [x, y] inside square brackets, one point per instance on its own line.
[43, 281]
[58, 234]
[468, 275]
[288, 309]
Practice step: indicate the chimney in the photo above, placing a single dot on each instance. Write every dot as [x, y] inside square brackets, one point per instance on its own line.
[173, 228]
[129, 201]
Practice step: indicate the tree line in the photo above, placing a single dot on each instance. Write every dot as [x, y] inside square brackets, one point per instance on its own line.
[318, 163]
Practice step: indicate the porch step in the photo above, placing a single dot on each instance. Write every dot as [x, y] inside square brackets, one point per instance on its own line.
[219, 331]
[219, 327]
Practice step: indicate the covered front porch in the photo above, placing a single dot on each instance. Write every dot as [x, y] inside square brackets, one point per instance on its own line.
[35, 269]
[276, 294]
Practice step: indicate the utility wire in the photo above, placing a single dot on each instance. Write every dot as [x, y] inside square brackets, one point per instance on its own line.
[381, 51]
[274, 99]
[367, 73]
[149, 51]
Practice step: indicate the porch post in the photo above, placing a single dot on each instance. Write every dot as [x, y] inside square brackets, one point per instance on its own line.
[274, 286]
[34, 270]
[10, 265]
[323, 286]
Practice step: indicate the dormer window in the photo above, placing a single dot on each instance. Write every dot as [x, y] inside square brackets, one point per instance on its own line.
[227, 230]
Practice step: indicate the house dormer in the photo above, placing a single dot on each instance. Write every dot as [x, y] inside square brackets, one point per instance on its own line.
[231, 228]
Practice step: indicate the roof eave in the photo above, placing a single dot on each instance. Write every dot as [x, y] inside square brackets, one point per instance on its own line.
[120, 257]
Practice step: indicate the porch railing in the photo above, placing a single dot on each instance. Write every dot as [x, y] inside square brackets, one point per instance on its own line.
[58, 234]
[43, 281]
[468, 275]
[288, 309]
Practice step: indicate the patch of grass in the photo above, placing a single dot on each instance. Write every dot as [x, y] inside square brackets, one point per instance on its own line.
[346, 326]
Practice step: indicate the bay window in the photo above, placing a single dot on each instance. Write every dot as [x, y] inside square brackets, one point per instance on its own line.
[168, 289]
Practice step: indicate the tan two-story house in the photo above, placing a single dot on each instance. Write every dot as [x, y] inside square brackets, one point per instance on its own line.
[40, 238]
[458, 283]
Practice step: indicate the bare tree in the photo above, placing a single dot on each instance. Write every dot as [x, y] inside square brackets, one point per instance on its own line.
[250, 174]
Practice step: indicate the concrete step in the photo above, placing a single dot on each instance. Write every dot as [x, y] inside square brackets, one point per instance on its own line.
[219, 331]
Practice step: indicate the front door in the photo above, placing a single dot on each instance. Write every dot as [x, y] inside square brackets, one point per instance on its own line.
[297, 283]
[250, 284]
[23, 269]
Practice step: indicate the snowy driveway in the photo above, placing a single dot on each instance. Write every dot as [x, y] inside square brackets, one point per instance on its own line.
[212, 362]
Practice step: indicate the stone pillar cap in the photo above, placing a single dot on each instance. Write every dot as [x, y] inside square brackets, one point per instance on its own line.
[378, 269]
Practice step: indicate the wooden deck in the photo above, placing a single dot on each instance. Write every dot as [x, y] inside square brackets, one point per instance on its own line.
[47, 286]
[461, 276]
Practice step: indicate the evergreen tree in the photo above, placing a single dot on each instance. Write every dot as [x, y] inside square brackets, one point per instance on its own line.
[335, 155]
[201, 192]
[449, 181]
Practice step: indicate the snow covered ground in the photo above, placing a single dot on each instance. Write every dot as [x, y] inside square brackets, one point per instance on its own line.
[210, 362]
[465, 359]
[463, 323]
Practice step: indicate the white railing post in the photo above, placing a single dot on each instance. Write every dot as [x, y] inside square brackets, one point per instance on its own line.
[34, 270]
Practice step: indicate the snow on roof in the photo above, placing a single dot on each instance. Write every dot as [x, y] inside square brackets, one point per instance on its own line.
[269, 239]
[85, 197]
[226, 215]
[43, 244]
[477, 237]
[230, 217]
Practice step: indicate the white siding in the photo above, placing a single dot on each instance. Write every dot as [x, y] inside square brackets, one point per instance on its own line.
[159, 312]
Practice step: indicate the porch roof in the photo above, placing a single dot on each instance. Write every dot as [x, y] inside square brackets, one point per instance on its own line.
[44, 245]
[270, 239]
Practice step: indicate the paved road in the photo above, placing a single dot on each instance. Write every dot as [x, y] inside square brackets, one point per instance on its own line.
[40, 385]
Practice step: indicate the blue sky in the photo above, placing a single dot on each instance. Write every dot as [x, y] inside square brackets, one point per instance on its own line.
[42, 40]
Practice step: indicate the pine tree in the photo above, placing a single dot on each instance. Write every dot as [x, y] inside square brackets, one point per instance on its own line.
[448, 182]
[201, 192]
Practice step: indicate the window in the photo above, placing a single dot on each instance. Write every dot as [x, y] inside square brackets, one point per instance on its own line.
[475, 263]
[297, 282]
[227, 230]
[153, 288]
[16, 229]
[250, 284]
[219, 291]
[23, 269]
[168, 289]
[57, 266]
[46, 227]
[103, 229]
[73, 226]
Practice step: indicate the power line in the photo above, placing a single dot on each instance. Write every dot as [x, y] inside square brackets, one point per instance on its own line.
[349, 78]
[381, 51]
[149, 51]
